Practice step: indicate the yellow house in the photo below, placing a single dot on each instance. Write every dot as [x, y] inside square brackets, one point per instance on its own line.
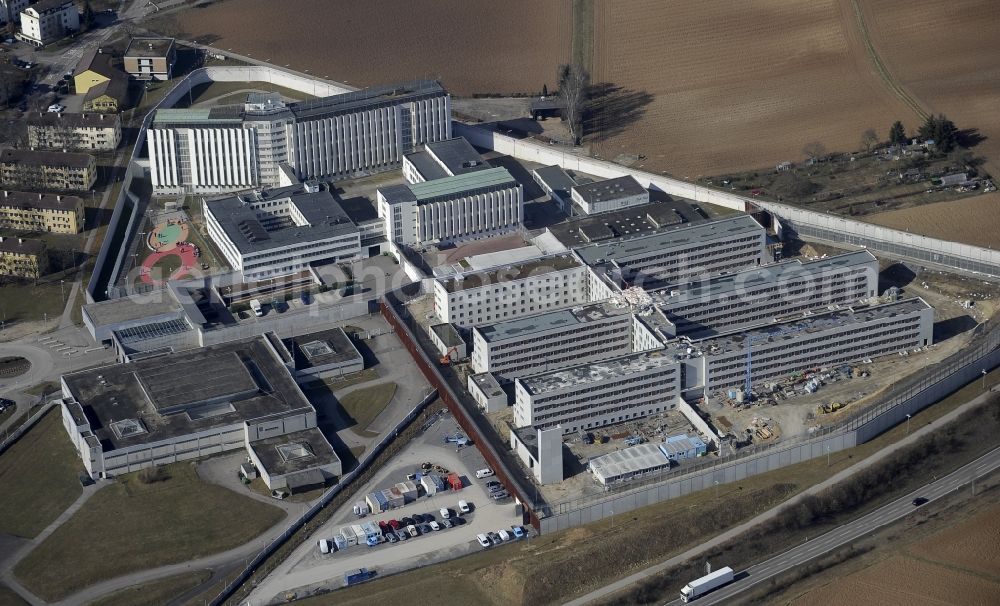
[107, 97]
[93, 69]
[41, 212]
[22, 258]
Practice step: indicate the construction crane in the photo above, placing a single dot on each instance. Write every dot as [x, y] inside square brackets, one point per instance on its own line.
[751, 339]
[445, 360]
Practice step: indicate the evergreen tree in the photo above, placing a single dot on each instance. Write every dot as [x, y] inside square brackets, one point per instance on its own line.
[941, 130]
[897, 134]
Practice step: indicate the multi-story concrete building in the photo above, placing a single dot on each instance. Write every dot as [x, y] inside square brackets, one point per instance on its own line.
[467, 206]
[366, 131]
[811, 341]
[23, 258]
[47, 21]
[553, 340]
[263, 141]
[27, 211]
[61, 130]
[733, 301]
[599, 393]
[202, 151]
[441, 159]
[680, 255]
[609, 195]
[268, 233]
[10, 10]
[30, 169]
[150, 58]
[505, 293]
[234, 396]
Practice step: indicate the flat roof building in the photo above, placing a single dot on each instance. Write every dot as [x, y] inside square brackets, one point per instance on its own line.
[185, 405]
[680, 255]
[150, 58]
[440, 159]
[508, 292]
[763, 294]
[268, 233]
[467, 206]
[556, 339]
[628, 463]
[814, 340]
[609, 195]
[557, 183]
[600, 393]
[486, 391]
[324, 353]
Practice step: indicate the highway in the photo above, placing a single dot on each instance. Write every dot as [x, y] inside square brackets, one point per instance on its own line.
[851, 531]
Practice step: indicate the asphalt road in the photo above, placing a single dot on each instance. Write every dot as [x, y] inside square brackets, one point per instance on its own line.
[852, 531]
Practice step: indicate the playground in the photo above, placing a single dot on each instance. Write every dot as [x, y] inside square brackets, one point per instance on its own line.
[172, 255]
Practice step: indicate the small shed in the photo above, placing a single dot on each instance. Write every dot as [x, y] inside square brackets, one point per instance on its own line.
[681, 447]
[408, 489]
[377, 502]
[248, 471]
[454, 482]
[432, 484]
[340, 541]
[347, 534]
[394, 497]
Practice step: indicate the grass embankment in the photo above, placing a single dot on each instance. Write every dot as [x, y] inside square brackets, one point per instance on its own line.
[363, 405]
[39, 476]
[333, 384]
[133, 526]
[9, 598]
[960, 442]
[154, 593]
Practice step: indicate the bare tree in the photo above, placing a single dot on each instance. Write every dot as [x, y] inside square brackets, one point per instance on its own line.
[869, 138]
[814, 150]
[573, 84]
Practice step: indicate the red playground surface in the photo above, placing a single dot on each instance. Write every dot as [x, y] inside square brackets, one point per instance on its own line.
[168, 240]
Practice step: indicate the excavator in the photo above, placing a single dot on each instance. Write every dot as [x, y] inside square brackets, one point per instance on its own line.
[445, 360]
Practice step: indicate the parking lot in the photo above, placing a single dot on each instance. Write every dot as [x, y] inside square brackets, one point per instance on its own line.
[308, 571]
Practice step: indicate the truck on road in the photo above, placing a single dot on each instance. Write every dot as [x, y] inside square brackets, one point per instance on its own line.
[707, 583]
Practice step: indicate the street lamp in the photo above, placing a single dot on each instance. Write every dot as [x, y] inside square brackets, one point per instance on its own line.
[907, 424]
[984, 379]
[827, 455]
[62, 294]
[716, 489]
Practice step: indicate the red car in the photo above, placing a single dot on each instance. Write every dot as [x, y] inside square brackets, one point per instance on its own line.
[394, 524]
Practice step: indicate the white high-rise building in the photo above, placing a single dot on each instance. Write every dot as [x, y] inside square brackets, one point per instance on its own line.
[268, 143]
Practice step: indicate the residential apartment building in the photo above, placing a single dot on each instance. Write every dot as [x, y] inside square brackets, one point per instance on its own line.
[509, 292]
[441, 159]
[263, 141]
[22, 258]
[150, 58]
[552, 340]
[467, 206]
[760, 295]
[47, 170]
[599, 393]
[48, 21]
[37, 212]
[609, 195]
[813, 341]
[682, 254]
[61, 130]
[270, 233]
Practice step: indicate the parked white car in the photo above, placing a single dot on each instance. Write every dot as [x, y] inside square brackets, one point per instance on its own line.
[463, 507]
[484, 473]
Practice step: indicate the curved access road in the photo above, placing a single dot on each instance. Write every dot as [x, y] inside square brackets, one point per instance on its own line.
[852, 531]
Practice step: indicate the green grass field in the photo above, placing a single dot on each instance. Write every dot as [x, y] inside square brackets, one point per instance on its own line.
[154, 593]
[364, 404]
[39, 476]
[132, 526]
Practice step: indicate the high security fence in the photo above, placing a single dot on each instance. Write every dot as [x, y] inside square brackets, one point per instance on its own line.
[325, 500]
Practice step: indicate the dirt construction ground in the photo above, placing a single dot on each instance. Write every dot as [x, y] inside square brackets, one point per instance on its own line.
[473, 47]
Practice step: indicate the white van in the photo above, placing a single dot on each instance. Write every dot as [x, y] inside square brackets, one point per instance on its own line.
[445, 513]
[324, 546]
[255, 306]
[463, 507]
[484, 473]
[504, 535]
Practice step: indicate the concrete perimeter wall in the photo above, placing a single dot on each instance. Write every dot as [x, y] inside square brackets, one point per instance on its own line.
[806, 223]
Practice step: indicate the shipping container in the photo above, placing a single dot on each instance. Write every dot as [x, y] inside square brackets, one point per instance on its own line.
[348, 535]
[357, 576]
[454, 482]
[432, 484]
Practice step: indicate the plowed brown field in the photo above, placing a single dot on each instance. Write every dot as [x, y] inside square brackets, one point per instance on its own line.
[503, 47]
[973, 220]
[958, 565]
[739, 85]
